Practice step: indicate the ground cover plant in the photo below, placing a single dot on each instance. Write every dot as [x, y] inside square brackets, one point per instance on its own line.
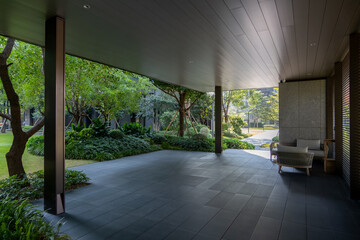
[19, 220]
[99, 143]
[32, 186]
[235, 143]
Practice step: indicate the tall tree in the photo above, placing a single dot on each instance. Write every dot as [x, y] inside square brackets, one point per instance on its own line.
[202, 110]
[231, 97]
[79, 87]
[116, 90]
[154, 105]
[107, 89]
[185, 98]
[271, 106]
[14, 156]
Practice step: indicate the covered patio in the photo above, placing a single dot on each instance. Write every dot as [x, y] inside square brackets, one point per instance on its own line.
[196, 195]
[208, 45]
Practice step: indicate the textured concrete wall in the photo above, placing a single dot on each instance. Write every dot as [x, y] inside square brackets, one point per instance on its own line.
[302, 110]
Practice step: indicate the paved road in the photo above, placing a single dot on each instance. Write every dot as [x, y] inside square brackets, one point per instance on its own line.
[261, 138]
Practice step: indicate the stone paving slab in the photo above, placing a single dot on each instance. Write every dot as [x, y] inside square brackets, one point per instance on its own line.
[197, 195]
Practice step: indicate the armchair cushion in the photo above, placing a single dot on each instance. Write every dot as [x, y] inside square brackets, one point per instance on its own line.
[282, 148]
[311, 144]
[318, 153]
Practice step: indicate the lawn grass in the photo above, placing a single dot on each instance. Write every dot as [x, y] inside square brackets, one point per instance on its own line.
[31, 162]
[265, 145]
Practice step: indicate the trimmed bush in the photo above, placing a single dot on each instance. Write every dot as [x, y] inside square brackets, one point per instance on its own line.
[230, 134]
[234, 143]
[105, 148]
[199, 136]
[35, 145]
[116, 133]
[94, 148]
[200, 126]
[190, 132]
[179, 143]
[205, 131]
[158, 139]
[275, 139]
[19, 220]
[87, 133]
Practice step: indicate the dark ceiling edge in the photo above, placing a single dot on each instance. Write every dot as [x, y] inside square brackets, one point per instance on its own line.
[164, 81]
[305, 80]
[18, 39]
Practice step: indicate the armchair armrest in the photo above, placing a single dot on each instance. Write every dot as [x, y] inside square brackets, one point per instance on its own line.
[273, 145]
[326, 150]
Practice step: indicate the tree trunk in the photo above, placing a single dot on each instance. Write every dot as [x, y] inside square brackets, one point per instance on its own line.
[226, 117]
[182, 111]
[3, 127]
[14, 156]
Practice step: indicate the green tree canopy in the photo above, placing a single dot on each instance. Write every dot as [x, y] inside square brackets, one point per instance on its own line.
[186, 98]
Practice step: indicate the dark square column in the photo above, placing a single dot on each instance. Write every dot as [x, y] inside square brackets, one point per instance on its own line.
[355, 115]
[218, 119]
[54, 165]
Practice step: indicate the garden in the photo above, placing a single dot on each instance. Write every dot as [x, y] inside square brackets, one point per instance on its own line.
[110, 113]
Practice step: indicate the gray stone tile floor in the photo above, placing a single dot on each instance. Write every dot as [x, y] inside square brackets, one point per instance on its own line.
[194, 195]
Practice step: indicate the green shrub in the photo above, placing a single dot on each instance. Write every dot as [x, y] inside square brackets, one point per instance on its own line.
[229, 134]
[135, 129]
[96, 148]
[70, 136]
[158, 139]
[234, 143]
[105, 148]
[237, 122]
[35, 145]
[200, 126]
[190, 132]
[199, 136]
[205, 131]
[101, 129]
[275, 139]
[189, 144]
[77, 128]
[87, 133]
[32, 186]
[225, 126]
[19, 220]
[116, 133]
[74, 178]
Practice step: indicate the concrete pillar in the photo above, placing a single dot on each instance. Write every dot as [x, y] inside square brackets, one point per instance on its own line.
[218, 119]
[338, 116]
[54, 164]
[355, 115]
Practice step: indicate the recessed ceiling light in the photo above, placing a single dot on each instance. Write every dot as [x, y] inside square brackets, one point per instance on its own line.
[313, 44]
[86, 6]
